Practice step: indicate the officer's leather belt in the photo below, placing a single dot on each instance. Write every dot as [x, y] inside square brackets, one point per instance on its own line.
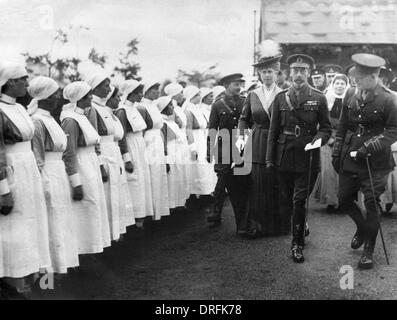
[259, 126]
[362, 130]
[298, 132]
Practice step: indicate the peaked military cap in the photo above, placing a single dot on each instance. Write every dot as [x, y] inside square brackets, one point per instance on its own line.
[333, 68]
[234, 77]
[300, 61]
[317, 73]
[386, 73]
[367, 62]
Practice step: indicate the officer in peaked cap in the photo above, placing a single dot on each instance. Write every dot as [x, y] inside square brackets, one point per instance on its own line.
[224, 116]
[330, 71]
[318, 79]
[386, 76]
[299, 116]
[367, 129]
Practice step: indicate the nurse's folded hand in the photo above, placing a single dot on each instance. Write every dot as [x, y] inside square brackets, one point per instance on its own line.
[105, 176]
[129, 167]
[6, 204]
[78, 193]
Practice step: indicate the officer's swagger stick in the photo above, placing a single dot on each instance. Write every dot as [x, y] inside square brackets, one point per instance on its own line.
[377, 210]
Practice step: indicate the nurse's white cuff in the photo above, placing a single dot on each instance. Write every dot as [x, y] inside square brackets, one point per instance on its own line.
[127, 157]
[4, 188]
[75, 180]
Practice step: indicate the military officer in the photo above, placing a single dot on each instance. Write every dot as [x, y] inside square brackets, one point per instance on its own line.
[367, 128]
[318, 79]
[299, 116]
[223, 124]
[330, 71]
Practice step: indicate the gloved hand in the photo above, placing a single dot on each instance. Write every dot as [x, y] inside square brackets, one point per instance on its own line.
[105, 176]
[240, 144]
[7, 204]
[193, 155]
[331, 142]
[129, 167]
[362, 153]
[336, 164]
[167, 165]
[78, 193]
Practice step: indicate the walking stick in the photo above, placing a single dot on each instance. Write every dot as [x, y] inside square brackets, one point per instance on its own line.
[308, 195]
[377, 210]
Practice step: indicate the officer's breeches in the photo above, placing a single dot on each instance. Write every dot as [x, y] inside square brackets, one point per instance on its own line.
[349, 185]
[293, 188]
[238, 190]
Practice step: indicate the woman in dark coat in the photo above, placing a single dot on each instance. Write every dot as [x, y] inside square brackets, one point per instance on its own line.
[264, 218]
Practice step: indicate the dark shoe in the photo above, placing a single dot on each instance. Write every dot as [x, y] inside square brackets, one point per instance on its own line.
[297, 254]
[357, 242]
[366, 262]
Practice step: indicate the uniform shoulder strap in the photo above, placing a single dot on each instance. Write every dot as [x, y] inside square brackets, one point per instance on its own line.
[226, 106]
[288, 100]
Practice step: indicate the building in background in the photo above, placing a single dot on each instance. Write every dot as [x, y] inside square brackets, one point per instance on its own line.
[331, 31]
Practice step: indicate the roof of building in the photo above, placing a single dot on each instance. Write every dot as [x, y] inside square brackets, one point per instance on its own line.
[336, 21]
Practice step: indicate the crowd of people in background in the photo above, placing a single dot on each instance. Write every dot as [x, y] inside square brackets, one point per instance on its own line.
[81, 164]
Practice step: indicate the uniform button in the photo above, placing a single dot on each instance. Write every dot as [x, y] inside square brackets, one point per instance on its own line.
[235, 118]
[359, 116]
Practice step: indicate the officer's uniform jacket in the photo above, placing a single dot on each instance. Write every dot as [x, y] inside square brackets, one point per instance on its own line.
[295, 122]
[224, 116]
[369, 123]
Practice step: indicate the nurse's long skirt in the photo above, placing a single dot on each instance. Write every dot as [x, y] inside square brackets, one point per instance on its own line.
[126, 207]
[139, 182]
[201, 175]
[61, 220]
[114, 187]
[158, 173]
[24, 239]
[92, 224]
[177, 178]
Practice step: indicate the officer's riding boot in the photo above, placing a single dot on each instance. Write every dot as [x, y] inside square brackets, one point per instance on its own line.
[297, 244]
[366, 262]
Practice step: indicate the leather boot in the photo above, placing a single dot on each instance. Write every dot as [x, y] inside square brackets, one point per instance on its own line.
[367, 262]
[357, 241]
[297, 244]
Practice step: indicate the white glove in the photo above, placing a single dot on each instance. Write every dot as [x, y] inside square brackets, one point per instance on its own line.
[240, 143]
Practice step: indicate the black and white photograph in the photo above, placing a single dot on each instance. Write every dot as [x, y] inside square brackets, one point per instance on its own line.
[198, 155]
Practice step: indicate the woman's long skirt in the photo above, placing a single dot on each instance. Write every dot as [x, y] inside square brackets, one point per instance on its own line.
[92, 223]
[202, 173]
[61, 220]
[24, 239]
[113, 188]
[126, 208]
[177, 178]
[264, 214]
[158, 173]
[329, 178]
[139, 182]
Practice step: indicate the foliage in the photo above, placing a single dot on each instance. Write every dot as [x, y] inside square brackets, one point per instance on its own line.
[127, 67]
[199, 78]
